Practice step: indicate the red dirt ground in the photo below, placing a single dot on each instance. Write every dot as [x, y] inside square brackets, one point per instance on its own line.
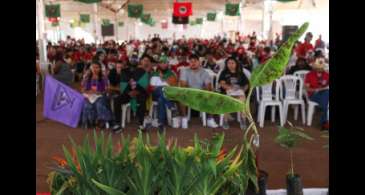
[310, 158]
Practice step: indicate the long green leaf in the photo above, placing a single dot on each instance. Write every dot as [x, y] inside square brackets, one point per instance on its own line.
[108, 189]
[275, 66]
[204, 101]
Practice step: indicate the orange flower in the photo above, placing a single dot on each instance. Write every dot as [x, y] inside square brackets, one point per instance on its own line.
[61, 162]
[118, 147]
[221, 154]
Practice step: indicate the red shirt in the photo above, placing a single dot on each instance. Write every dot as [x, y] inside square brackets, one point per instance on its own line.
[76, 57]
[177, 66]
[87, 56]
[316, 80]
[303, 48]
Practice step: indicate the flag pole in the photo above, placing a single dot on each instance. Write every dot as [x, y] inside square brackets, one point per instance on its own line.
[95, 6]
[42, 36]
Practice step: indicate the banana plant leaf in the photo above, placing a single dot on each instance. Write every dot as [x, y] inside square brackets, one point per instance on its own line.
[275, 66]
[204, 101]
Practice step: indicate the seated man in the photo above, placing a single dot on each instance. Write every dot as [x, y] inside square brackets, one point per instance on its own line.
[317, 83]
[133, 85]
[163, 76]
[115, 77]
[301, 64]
[195, 77]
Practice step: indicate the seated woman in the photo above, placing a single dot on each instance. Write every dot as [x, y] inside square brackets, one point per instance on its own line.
[233, 82]
[317, 83]
[95, 111]
[161, 77]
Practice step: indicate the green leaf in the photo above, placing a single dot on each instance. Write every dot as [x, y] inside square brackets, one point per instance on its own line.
[275, 66]
[108, 189]
[204, 101]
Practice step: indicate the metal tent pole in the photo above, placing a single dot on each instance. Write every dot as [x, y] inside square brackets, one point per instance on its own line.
[42, 37]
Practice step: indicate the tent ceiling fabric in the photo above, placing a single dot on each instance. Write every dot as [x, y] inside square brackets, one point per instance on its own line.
[163, 8]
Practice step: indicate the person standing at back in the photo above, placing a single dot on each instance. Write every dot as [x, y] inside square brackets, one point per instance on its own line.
[195, 77]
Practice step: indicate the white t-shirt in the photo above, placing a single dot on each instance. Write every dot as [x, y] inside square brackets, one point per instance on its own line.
[196, 79]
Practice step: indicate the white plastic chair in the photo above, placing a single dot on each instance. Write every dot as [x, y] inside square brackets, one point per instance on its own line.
[311, 107]
[301, 74]
[126, 114]
[203, 116]
[168, 112]
[247, 73]
[265, 97]
[292, 95]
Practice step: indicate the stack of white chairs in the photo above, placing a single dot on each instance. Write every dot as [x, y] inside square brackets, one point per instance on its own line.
[265, 98]
[292, 94]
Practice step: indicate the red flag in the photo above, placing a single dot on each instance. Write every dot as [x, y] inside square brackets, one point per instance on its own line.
[183, 9]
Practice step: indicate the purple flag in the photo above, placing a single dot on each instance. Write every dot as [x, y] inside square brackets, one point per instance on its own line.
[61, 103]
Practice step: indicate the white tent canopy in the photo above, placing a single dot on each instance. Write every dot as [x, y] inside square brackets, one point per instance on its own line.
[292, 13]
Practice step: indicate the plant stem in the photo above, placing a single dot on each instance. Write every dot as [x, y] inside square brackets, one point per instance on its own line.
[291, 163]
[247, 111]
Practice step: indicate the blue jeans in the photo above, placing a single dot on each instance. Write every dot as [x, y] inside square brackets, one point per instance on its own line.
[158, 96]
[322, 98]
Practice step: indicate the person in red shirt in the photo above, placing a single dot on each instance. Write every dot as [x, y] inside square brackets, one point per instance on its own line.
[305, 47]
[319, 43]
[182, 63]
[317, 87]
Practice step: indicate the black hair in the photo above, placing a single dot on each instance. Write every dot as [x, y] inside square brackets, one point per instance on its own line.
[193, 56]
[147, 56]
[239, 68]
[100, 73]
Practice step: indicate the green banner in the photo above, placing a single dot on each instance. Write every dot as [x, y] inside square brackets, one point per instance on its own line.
[53, 11]
[85, 18]
[232, 9]
[199, 21]
[146, 18]
[105, 22]
[135, 10]
[89, 1]
[211, 16]
[55, 24]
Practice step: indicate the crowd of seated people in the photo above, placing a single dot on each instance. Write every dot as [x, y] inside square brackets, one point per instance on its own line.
[123, 72]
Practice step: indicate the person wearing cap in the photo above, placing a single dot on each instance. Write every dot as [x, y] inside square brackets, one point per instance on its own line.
[163, 76]
[317, 87]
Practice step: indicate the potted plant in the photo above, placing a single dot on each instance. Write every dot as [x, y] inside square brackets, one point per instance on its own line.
[288, 138]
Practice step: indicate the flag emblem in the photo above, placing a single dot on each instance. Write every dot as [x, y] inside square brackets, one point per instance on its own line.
[62, 99]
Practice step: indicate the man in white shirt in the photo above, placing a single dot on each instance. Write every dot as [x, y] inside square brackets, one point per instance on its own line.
[196, 77]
